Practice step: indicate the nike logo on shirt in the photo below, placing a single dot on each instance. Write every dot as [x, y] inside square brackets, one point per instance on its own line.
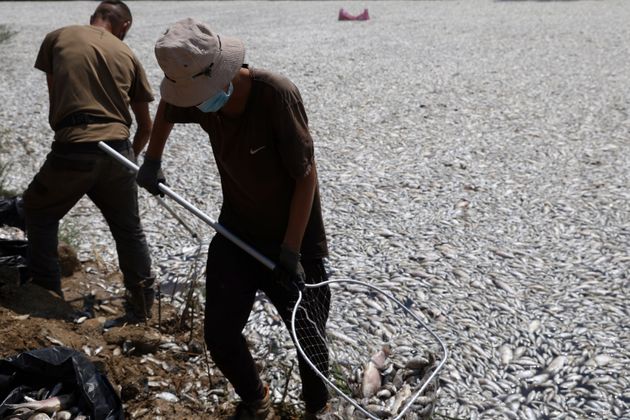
[254, 151]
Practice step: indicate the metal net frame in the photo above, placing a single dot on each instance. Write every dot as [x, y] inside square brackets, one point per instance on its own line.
[340, 352]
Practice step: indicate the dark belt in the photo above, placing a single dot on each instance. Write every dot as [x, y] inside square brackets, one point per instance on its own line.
[89, 147]
[79, 118]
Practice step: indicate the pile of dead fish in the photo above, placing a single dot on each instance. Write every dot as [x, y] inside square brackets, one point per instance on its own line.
[386, 380]
[384, 387]
[44, 404]
[379, 357]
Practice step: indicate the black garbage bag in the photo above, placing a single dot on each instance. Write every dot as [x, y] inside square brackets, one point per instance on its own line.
[13, 247]
[11, 212]
[45, 368]
[13, 261]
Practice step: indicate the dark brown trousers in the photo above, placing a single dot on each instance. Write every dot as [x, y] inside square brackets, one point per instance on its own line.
[233, 278]
[69, 173]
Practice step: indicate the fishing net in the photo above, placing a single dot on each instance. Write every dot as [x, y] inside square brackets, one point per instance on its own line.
[370, 348]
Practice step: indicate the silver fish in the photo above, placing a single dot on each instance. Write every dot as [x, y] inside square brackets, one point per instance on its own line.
[49, 405]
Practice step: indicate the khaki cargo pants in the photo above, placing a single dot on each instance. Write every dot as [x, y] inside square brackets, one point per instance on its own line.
[70, 172]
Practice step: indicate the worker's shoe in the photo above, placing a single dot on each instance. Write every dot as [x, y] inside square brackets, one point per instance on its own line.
[139, 303]
[255, 410]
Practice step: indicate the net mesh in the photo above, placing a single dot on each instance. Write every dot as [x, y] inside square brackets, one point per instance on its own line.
[371, 349]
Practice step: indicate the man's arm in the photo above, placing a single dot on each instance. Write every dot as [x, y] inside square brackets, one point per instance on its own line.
[49, 82]
[300, 211]
[289, 271]
[161, 130]
[143, 131]
[150, 173]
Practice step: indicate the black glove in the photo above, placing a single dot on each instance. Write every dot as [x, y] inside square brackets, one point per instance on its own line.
[289, 272]
[150, 175]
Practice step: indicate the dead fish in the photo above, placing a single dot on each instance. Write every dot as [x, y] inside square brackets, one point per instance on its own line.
[417, 363]
[379, 357]
[54, 340]
[506, 354]
[533, 326]
[371, 380]
[39, 416]
[22, 413]
[602, 359]
[167, 396]
[342, 337]
[378, 411]
[371, 375]
[539, 379]
[383, 394]
[556, 364]
[349, 411]
[401, 396]
[49, 405]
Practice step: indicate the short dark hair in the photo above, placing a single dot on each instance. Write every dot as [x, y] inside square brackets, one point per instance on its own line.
[107, 15]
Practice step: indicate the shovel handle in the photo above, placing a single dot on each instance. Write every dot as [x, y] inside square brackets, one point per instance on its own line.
[194, 210]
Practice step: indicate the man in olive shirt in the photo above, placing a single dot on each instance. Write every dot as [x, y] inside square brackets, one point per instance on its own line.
[263, 149]
[93, 78]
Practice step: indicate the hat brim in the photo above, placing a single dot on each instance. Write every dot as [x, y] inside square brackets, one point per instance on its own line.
[195, 91]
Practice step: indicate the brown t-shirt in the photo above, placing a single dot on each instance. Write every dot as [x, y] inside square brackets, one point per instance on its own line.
[259, 154]
[93, 73]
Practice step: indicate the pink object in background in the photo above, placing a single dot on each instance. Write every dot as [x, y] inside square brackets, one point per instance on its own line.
[344, 15]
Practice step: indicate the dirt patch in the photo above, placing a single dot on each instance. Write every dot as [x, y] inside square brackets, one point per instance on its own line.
[160, 369]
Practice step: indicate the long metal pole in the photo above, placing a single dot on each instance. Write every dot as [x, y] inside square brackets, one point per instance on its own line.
[194, 210]
[179, 219]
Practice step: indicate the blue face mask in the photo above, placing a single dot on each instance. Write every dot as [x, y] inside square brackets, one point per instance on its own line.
[217, 101]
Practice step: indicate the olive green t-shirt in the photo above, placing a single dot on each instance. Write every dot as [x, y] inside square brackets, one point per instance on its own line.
[259, 155]
[93, 73]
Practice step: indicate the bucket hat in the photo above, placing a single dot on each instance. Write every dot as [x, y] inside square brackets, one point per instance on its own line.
[197, 62]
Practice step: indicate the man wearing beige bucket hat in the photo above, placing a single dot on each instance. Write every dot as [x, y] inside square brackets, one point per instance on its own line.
[264, 152]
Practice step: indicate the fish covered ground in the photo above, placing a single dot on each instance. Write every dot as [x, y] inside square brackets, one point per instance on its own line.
[473, 159]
